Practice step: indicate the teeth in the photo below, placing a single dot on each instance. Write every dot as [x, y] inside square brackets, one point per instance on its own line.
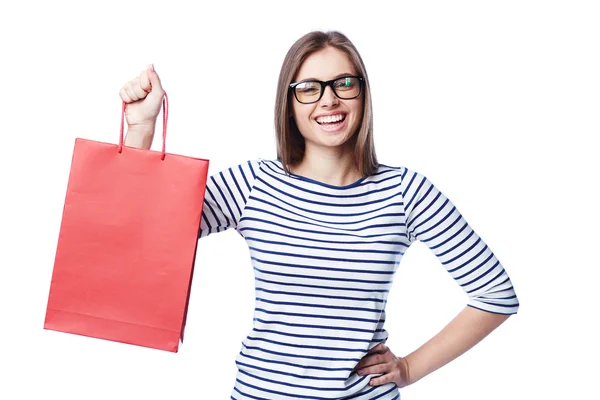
[330, 118]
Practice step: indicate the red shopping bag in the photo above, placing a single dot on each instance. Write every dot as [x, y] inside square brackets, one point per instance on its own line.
[127, 243]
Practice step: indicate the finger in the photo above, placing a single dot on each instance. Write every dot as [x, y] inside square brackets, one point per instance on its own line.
[376, 381]
[154, 79]
[379, 348]
[375, 349]
[388, 376]
[370, 360]
[124, 96]
[145, 81]
[137, 88]
[130, 92]
[374, 369]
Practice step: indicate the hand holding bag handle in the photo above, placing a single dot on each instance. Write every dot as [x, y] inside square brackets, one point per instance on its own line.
[165, 106]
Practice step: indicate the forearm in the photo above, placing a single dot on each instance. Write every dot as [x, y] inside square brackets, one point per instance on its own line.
[467, 329]
[139, 136]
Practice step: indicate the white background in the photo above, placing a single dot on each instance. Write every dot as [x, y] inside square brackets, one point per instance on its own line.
[495, 102]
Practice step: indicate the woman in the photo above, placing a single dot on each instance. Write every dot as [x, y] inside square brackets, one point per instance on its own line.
[327, 226]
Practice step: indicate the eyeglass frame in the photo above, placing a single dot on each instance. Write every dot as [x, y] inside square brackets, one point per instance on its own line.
[324, 85]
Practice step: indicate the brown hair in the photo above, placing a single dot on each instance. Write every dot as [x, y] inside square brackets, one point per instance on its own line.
[290, 142]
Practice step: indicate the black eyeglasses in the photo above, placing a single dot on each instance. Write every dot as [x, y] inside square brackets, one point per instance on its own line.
[311, 91]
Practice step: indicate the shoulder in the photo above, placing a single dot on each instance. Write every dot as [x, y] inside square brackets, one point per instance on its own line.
[272, 165]
[411, 180]
[242, 173]
[403, 171]
[249, 168]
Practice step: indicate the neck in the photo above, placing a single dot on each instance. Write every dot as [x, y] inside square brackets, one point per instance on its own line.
[332, 168]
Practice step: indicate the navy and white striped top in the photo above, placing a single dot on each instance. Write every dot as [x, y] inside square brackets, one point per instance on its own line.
[324, 259]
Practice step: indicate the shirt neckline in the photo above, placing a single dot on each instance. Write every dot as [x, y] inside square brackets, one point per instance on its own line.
[306, 179]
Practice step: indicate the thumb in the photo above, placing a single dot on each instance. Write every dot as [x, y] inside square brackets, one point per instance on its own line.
[154, 79]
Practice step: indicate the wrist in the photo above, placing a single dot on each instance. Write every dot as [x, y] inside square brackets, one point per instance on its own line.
[405, 372]
[141, 129]
[414, 371]
[139, 135]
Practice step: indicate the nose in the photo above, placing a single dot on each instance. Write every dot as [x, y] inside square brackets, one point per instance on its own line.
[329, 98]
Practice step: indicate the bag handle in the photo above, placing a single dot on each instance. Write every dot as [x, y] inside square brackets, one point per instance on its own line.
[165, 106]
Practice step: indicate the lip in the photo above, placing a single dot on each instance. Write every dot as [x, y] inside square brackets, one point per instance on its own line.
[339, 128]
[331, 113]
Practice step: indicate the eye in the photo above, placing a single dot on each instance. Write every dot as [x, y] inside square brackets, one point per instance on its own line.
[345, 83]
[309, 87]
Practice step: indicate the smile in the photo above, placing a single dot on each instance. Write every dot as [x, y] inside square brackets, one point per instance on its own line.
[331, 119]
[337, 125]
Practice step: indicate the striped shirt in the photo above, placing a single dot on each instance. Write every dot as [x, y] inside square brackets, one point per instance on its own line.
[324, 259]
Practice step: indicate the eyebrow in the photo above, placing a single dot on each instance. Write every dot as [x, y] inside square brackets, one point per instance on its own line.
[335, 77]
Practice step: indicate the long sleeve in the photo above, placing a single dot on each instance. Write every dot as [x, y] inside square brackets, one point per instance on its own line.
[225, 197]
[432, 219]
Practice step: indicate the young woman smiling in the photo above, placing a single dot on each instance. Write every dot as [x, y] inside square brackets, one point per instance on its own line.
[327, 226]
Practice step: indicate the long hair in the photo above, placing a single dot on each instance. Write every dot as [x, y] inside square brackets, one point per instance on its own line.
[290, 142]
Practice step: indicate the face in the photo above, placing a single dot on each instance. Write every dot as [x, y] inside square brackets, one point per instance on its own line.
[324, 65]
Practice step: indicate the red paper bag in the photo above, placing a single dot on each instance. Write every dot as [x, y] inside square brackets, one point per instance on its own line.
[127, 243]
